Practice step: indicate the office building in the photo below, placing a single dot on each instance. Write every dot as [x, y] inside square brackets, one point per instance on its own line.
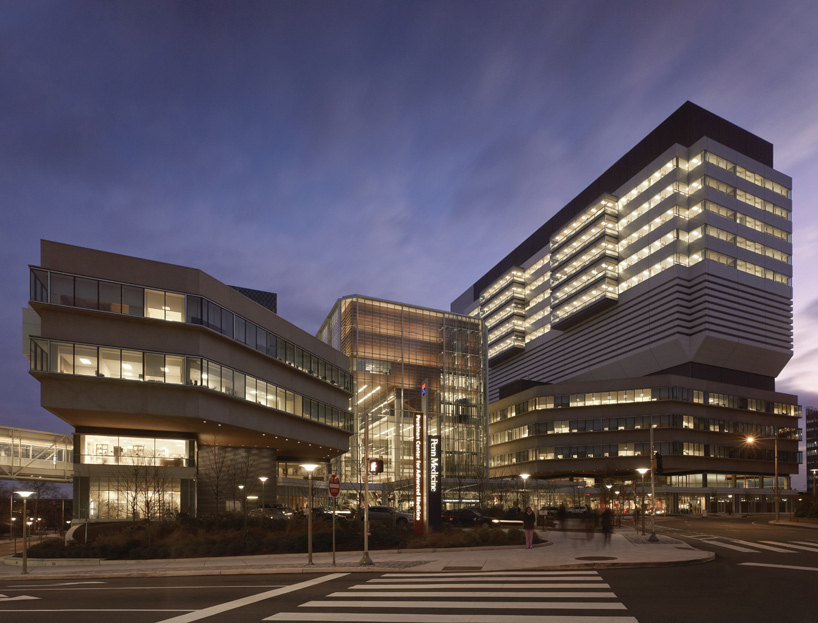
[392, 348]
[179, 387]
[812, 448]
[660, 296]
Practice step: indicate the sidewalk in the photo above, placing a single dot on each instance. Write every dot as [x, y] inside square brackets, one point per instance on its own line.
[561, 550]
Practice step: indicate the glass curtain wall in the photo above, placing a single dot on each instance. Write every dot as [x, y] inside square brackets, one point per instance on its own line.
[393, 348]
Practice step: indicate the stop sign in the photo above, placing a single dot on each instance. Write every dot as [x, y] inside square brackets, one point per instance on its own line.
[334, 485]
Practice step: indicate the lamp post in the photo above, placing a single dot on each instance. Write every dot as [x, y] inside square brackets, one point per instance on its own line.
[243, 504]
[814, 472]
[643, 471]
[310, 468]
[525, 477]
[776, 501]
[24, 495]
[263, 479]
[619, 509]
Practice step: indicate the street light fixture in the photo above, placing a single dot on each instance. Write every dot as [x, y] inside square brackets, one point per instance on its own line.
[525, 497]
[263, 479]
[25, 495]
[751, 440]
[643, 471]
[310, 468]
[814, 472]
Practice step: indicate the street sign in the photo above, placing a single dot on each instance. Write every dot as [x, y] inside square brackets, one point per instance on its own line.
[334, 485]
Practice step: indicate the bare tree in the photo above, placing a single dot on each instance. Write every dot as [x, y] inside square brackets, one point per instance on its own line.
[212, 465]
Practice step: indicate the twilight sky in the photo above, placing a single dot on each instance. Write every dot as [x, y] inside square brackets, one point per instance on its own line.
[395, 149]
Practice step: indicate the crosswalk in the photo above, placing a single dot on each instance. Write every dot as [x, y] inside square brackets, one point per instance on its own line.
[757, 547]
[578, 596]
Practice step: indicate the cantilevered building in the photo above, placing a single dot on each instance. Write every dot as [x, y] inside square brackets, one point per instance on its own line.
[660, 296]
[179, 387]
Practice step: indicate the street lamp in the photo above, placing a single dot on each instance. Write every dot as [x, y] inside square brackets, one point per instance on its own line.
[814, 472]
[525, 497]
[263, 479]
[310, 468]
[643, 471]
[752, 440]
[24, 495]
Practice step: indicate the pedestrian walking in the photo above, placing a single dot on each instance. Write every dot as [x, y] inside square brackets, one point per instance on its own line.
[562, 516]
[529, 523]
[607, 526]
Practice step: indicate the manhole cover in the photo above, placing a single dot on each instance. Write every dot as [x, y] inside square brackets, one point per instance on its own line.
[596, 558]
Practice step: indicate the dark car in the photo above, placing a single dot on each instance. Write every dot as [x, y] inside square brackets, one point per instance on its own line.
[325, 515]
[386, 514]
[466, 517]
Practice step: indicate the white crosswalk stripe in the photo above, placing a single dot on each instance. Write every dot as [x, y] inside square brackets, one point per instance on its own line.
[753, 547]
[502, 597]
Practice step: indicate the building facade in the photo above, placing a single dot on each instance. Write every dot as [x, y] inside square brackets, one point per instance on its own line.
[392, 348]
[179, 387]
[812, 449]
[659, 299]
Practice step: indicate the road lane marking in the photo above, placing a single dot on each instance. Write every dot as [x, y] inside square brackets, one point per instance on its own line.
[760, 546]
[728, 546]
[353, 617]
[515, 587]
[496, 582]
[470, 605]
[760, 564]
[246, 601]
[4, 598]
[484, 574]
[504, 594]
[794, 546]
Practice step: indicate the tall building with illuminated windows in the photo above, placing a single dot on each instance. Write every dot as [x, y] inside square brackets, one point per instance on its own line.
[661, 297]
[392, 349]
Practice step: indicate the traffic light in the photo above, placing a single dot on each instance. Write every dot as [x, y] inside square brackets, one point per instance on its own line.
[658, 467]
[376, 466]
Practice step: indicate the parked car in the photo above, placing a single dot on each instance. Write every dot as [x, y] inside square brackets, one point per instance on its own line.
[579, 510]
[466, 517]
[386, 514]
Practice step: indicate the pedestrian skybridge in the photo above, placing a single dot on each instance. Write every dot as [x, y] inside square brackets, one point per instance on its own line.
[35, 455]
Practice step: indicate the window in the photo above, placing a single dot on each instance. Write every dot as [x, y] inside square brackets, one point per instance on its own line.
[132, 365]
[85, 360]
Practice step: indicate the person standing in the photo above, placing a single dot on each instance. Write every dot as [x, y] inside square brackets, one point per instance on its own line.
[529, 523]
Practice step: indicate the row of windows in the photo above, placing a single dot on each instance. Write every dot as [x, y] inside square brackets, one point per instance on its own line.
[607, 224]
[134, 365]
[748, 267]
[607, 289]
[74, 291]
[747, 221]
[651, 394]
[673, 189]
[607, 245]
[750, 176]
[656, 245]
[675, 211]
[665, 448]
[749, 245]
[666, 420]
[744, 197]
[515, 275]
[607, 205]
[657, 175]
[607, 267]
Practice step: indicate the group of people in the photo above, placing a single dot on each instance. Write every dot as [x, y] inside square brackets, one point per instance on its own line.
[591, 520]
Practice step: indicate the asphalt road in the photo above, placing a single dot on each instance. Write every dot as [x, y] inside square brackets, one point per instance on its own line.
[761, 573]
